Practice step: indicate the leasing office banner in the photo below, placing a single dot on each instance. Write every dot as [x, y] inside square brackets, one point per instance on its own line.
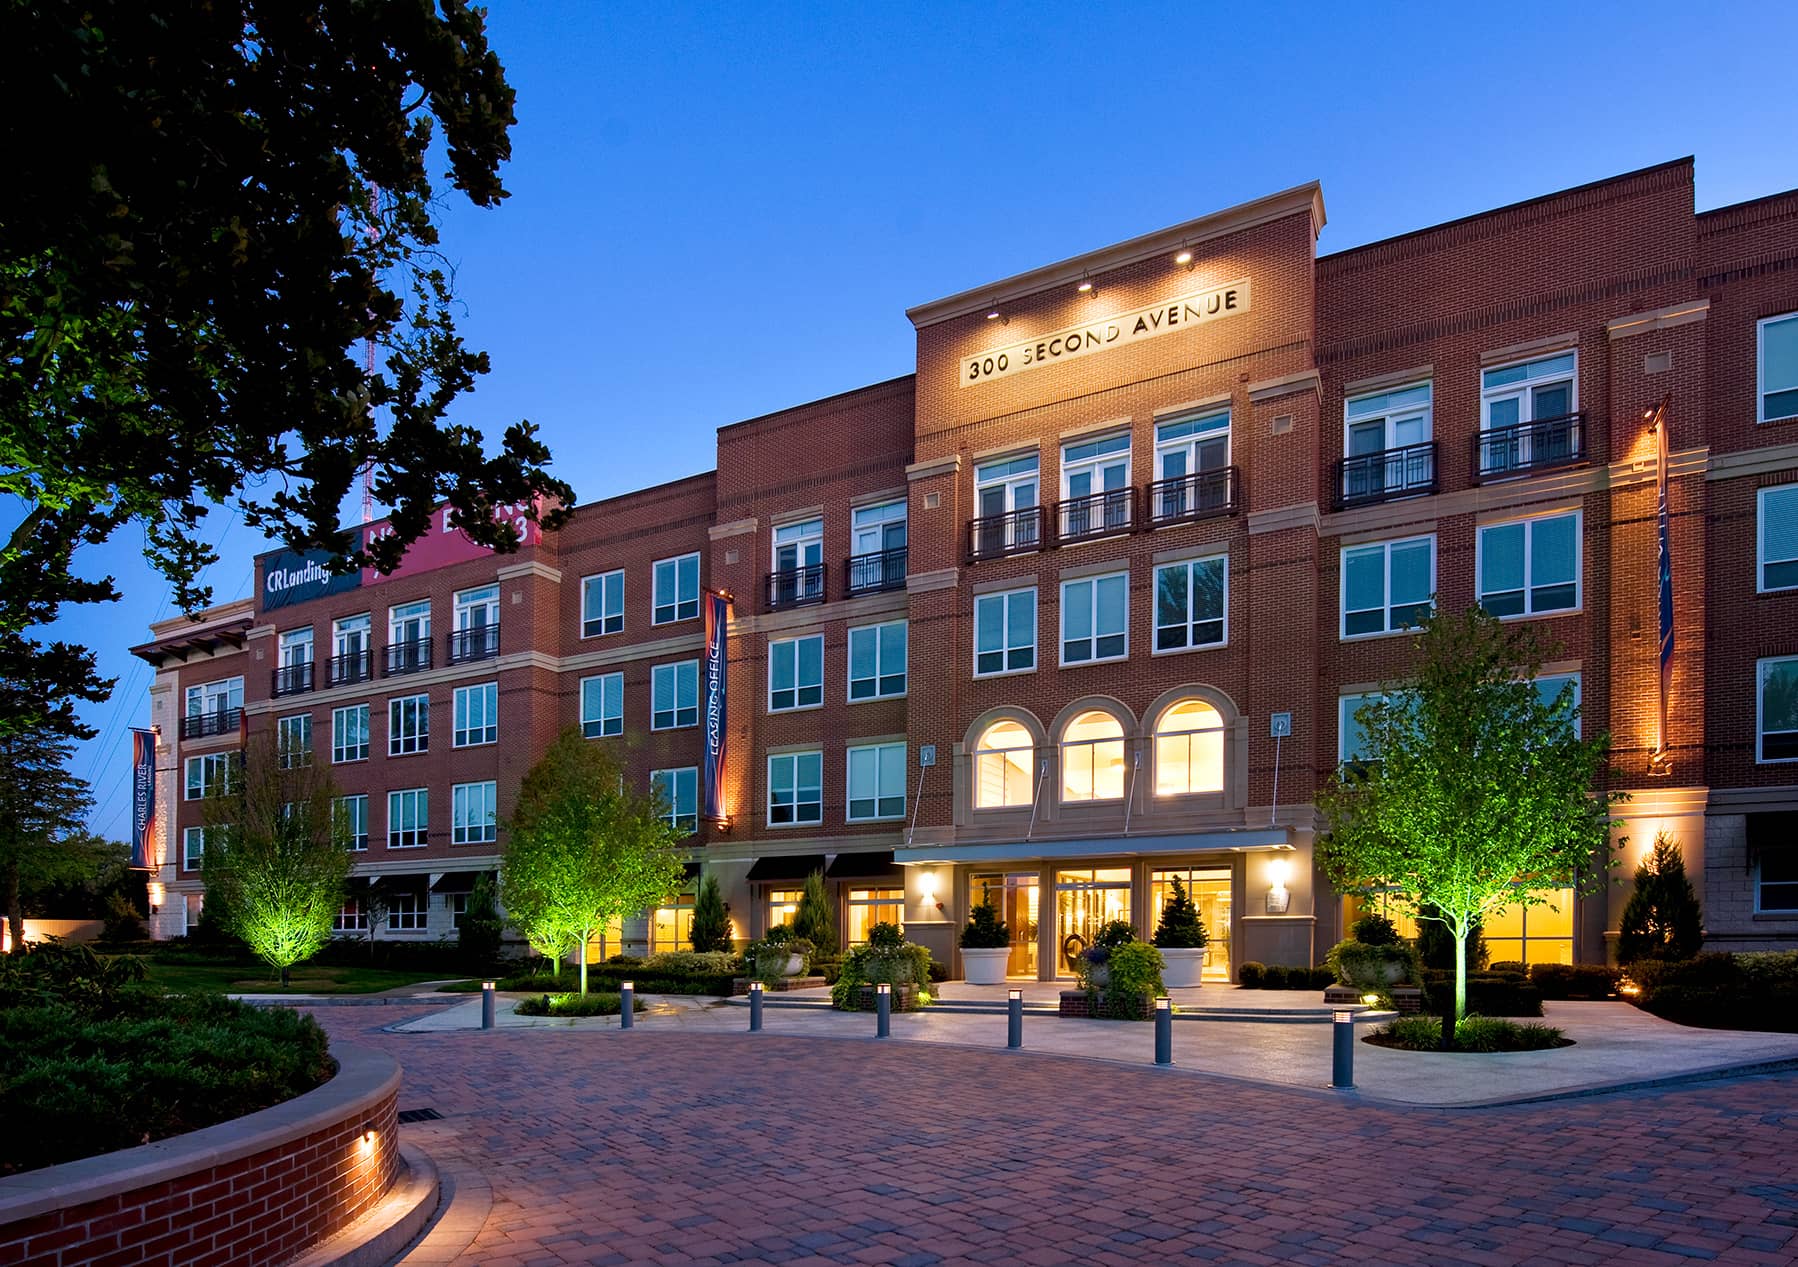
[711, 670]
[143, 798]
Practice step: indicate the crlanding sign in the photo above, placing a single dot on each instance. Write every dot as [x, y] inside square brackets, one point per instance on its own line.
[1112, 332]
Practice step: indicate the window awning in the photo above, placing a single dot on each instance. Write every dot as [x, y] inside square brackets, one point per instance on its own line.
[872, 865]
[1770, 829]
[1247, 840]
[458, 881]
[793, 867]
[691, 871]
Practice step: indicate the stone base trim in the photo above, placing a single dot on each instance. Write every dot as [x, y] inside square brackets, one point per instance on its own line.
[1076, 1004]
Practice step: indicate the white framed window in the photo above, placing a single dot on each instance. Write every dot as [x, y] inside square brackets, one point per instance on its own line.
[795, 788]
[293, 740]
[349, 733]
[602, 604]
[1351, 739]
[679, 793]
[476, 715]
[602, 705]
[215, 699]
[1095, 618]
[1528, 567]
[878, 656]
[1004, 766]
[1776, 709]
[1548, 689]
[1192, 603]
[1005, 632]
[876, 529]
[193, 848]
[1379, 421]
[1092, 758]
[409, 623]
[351, 640]
[211, 775]
[674, 695]
[350, 918]
[1776, 557]
[1192, 446]
[408, 818]
[1387, 586]
[868, 907]
[406, 913]
[798, 545]
[1527, 392]
[349, 822]
[1002, 488]
[295, 648]
[1776, 882]
[1095, 487]
[1189, 749]
[408, 725]
[795, 673]
[477, 608]
[474, 813]
[1776, 363]
[676, 589]
[876, 782]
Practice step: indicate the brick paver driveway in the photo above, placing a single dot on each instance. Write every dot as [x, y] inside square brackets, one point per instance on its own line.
[605, 1147]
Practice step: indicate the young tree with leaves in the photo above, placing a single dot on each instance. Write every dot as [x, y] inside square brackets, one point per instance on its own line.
[1662, 919]
[1478, 795]
[42, 808]
[583, 850]
[273, 857]
[234, 198]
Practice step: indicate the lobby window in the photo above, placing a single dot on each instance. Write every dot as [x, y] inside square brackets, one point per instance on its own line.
[349, 733]
[1092, 758]
[1004, 761]
[406, 913]
[671, 926]
[349, 822]
[1192, 603]
[1005, 632]
[868, 907]
[1531, 566]
[474, 813]
[1529, 391]
[795, 788]
[602, 705]
[350, 918]
[1096, 494]
[795, 673]
[783, 905]
[1387, 586]
[1532, 934]
[293, 741]
[1777, 710]
[602, 604]
[674, 695]
[676, 587]
[1095, 618]
[1776, 882]
[1189, 749]
[408, 818]
[476, 715]
[876, 782]
[1776, 396]
[211, 775]
[678, 792]
[408, 725]
[193, 848]
[877, 661]
[1777, 560]
[1381, 421]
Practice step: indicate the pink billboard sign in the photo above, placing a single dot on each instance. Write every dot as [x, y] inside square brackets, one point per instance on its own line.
[444, 544]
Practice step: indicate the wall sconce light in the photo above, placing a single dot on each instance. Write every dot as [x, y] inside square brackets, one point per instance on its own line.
[996, 315]
[1086, 287]
[1279, 897]
[927, 889]
[1184, 257]
[368, 1138]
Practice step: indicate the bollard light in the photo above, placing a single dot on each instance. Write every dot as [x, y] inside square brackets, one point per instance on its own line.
[487, 1005]
[1342, 1049]
[1164, 1030]
[755, 1007]
[627, 1011]
[883, 1010]
[1014, 1020]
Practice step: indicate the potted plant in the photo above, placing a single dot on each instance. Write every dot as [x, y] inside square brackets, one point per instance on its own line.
[780, 954]
[985, 946]
[1118, 977]
[1096, 958]
[1181, 938]
[1374, 957]
[885, 958]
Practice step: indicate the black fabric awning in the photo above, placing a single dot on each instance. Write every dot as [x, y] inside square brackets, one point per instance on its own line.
[692, 871]
[793, 868]
[458, 881]
[1775, 829]
[875, 864]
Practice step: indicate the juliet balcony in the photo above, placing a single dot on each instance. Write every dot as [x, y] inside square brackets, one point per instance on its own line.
[795, 587]
[469, 645]
[1365, 479]
[1527, 447]
[875, 572]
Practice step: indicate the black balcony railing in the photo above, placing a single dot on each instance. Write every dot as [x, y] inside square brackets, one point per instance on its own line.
[1200, 495]
[351, 667]
[480, 643]
[871, 573]
[408, 657]
[796, 587]
[1103, 514]
[1015, 532]
[292, 679]
[1367, 478]
[220, 721]
[1541, 445]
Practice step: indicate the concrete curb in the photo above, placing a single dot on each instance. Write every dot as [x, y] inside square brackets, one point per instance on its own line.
[379, 1235]
[462, 1213]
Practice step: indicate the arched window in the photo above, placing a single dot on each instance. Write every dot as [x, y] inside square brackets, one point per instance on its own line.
[1092, 758]
[1002, 761]
[1189, 749]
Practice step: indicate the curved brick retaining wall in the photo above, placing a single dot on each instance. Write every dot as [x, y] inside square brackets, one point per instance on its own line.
[257, 1191]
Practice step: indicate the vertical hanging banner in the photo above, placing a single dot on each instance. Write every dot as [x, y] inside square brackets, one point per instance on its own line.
[711, 672]
[1665, 566]
[143, 798]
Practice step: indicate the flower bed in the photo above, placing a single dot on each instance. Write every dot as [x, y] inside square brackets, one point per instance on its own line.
[1474, 1034]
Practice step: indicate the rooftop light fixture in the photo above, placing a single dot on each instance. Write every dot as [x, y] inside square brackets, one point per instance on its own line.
[1184, 257]
[1086, 286]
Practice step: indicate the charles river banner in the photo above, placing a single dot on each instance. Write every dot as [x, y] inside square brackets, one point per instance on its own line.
[717, 622]
[143, 798]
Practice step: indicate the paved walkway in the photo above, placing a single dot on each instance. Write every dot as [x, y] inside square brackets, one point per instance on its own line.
[675, 1144]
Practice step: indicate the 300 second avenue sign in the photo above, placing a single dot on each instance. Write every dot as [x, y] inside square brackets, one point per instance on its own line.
[1112, 332]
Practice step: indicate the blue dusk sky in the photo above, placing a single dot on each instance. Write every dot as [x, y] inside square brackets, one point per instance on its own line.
[717, 212]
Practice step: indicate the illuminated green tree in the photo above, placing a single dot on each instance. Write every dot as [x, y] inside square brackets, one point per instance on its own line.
[273, 862]
[584, 850]
[1478, 794]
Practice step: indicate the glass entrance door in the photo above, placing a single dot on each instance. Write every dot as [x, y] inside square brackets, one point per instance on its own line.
[1015, 894]
[1085, 901]
[1209, 889]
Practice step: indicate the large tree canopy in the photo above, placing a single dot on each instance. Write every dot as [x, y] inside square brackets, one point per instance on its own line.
[209, 207]
[42, 807]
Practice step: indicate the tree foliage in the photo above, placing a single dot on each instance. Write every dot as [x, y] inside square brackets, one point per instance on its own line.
[815, 918]
[482, 928]
[711, 918]
[583, 850]
[233, 197]
[273, 860]
[1480, 795]
[1662, 919]
[43, 805]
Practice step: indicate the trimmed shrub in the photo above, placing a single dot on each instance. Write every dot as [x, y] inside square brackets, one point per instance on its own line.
[1274, 976]
[1756, 990]
[1472, 1034]
[887, 957]
[711, 918]
[1374, 929]
[589, 1004]
[815, 920]
[985, 930]
[1132, 971]
[1180, 927]
[1574, 980]
[1252, 975]
[1488, 993]
[1661, 919]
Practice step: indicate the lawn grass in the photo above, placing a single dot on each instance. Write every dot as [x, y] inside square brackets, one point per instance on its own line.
[255, 977]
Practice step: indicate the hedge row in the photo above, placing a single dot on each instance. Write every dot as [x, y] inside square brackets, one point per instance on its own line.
[1751, 991]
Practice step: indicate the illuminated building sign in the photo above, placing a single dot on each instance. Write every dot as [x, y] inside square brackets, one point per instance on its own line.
[1112, 332]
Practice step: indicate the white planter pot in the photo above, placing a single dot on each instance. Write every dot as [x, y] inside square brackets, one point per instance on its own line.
[795, 965]
[1182, 968]
[985, 967]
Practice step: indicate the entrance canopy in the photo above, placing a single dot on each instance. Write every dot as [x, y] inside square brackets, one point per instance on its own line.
[873, 865]
[793, 867]
[1241, 841]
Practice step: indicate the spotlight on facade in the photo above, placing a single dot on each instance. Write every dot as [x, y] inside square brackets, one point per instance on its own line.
[993, 315]
[1184, 257]
[1086, 287]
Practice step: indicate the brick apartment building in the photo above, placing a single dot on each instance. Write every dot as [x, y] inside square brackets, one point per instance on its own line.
[1026, 622]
